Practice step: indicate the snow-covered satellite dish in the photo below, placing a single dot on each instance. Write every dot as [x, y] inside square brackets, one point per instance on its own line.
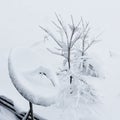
[31, 77]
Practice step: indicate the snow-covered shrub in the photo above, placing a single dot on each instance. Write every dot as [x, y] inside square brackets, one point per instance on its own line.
[77, 92]
[66, 36]
[86, 65]
[74, 89]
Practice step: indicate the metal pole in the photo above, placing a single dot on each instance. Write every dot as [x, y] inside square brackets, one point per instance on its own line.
[31, 110]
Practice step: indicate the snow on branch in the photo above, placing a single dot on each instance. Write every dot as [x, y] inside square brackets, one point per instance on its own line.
[51, 35]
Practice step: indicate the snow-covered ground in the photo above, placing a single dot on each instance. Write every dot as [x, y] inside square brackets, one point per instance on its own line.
[107, 89]
[6, 114]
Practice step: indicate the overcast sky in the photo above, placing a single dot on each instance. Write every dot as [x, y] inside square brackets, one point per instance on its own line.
[19, 19]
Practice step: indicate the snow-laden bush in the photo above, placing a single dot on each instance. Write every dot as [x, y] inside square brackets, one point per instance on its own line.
[77, 92]
[67, 36]
[70, 38]
[87, 65]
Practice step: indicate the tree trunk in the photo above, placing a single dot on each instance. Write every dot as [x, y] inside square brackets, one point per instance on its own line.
[83, 48]
[69, 65]
[69, 58]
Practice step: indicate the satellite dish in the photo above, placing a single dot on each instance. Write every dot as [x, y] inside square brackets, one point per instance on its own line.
[33, 80]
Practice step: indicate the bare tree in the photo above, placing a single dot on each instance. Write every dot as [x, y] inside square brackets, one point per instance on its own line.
[70, 34]
[86, 41]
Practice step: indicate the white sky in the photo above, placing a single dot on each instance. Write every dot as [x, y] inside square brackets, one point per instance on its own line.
[19, 19]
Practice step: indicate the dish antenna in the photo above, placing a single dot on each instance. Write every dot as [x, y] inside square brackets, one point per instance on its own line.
[33, 80]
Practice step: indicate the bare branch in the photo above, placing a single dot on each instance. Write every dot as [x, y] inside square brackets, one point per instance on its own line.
[64, 29]
[56, 53]
[60, 30]
[99, 35]
[52, 36]
[85, 28]
[76, 39]
[73, 32]
[92, 42]
[82, 22]
[72, 20]
[58, 49]
[56, 25]
[89, 45]
[78, 24]
[86, 34]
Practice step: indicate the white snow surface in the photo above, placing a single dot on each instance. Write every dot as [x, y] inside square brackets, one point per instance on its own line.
[39, 85]
[107, 89]
[6, 114]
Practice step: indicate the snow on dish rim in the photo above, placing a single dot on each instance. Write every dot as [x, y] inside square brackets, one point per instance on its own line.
[37, 94]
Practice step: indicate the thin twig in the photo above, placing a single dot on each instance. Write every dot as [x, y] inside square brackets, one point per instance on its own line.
[52, 36]
[64, 29]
